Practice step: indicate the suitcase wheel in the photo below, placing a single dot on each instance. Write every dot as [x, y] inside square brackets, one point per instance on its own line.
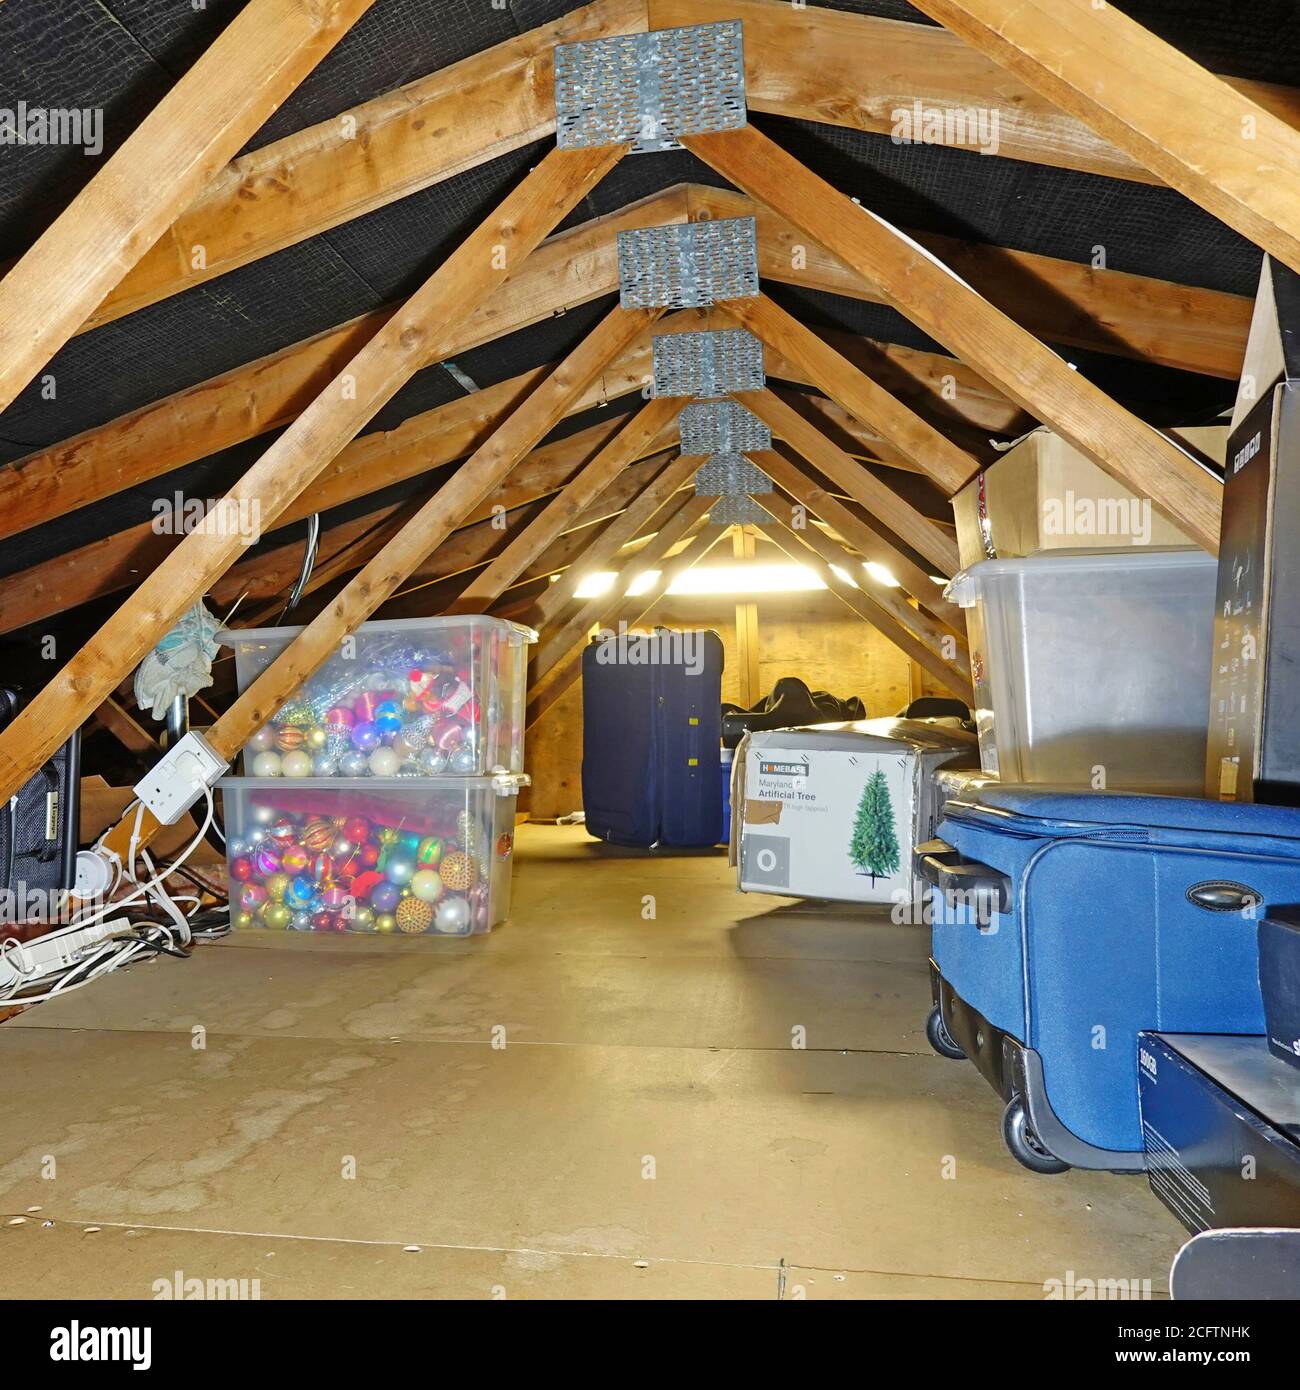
[1025, 1146]
[939, 1038]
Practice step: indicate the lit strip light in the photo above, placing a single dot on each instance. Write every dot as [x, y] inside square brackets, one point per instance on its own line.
[748, 578]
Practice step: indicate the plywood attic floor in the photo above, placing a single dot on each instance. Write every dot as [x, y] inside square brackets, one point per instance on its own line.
[522, 1171]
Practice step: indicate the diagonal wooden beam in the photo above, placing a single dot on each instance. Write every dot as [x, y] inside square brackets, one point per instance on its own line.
[567, 270]
[1174, 117]
[1113, 311]
[808, 62]
[627, 608]
[255, 62]
[462, 116]
[133, 736]
[676, 519]
[901, 517]
[468, 486]
[1013, 359]
[635, 438]
[806, 547]
[373, 377]
[788, 476]
[950, 467]
[634, 521]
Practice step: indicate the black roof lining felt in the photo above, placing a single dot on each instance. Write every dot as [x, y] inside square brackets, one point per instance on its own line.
[123, 55]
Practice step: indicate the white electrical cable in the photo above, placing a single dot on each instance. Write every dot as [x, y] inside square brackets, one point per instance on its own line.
[113, 954]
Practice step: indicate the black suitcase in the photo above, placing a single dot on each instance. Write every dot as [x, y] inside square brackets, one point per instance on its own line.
[1279, 981]
[38, 833]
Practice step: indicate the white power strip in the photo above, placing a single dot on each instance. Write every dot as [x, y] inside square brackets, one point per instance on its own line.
[28, 962]
[180, 777]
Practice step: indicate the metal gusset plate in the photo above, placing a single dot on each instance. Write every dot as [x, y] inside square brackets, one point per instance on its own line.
[722, 427]
[729, 475]
[689, 265]
[708, 364]
[648, 89]
[739, 510]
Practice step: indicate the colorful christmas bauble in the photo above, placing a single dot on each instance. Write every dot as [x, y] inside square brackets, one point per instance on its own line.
[458, 871]
[365, 737]
[296, 764]
[384, 762]
[294, 859]
[339, 718]
[263, 741]
[317, 739]
[385, 896]
[242, 920]
[354, 764]
[277, 916]
[427, 885]
[300, 892]
[317, 834]
[413, 916]
[289, 737]
[277, 885]
[399, 866]
[241, 869]
[385, 922]
[357, 829]
[266, 860]
[452, 916]
[429, 851]
[266, 765]
[301, 921]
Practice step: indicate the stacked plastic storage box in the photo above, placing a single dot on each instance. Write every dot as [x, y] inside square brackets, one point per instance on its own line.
[381, 797]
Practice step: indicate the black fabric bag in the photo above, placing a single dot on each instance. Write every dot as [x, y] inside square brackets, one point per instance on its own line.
[38, 832]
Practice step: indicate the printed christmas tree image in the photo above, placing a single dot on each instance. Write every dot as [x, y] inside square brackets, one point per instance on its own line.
[874, 847]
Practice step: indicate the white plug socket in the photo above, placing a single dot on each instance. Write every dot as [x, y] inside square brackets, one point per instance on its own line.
[180, 776]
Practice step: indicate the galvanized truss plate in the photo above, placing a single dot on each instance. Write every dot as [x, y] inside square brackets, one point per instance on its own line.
[729, 475]
[738, 510]
[722, 427]
[708, 364]
[688, 265]
[647, 89]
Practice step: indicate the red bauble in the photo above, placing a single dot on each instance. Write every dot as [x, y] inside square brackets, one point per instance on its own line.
[242, 869]
[369, 855]
[322, 921]
[356, 829]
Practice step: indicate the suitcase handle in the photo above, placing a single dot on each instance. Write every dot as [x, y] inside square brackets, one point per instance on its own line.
[980, 885]
[1221, 896]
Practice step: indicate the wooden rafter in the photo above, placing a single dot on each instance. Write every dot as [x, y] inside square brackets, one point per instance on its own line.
[255, 62]
[677, 518]
[626, 608]
[638, 517]
[373, 377]
[941, 460]
[824, 556]
[1191, 129]
[788, 476]
[886, 505]
[809, 62]
[388, 148]
[640, 434]
[937, 301]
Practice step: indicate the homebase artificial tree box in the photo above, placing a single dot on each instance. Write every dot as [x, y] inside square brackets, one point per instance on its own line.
[1043, 494]
[832, 811]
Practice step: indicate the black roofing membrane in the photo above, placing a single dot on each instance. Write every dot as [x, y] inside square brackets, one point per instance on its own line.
[123, 55]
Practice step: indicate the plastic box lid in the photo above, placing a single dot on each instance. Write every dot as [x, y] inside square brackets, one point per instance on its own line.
[964, 588]
[503, 783]
[519, 634]
[876, 734]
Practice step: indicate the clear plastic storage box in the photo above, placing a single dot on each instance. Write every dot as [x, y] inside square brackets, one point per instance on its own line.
[416, 697]
[428, 857]
[1092, 668]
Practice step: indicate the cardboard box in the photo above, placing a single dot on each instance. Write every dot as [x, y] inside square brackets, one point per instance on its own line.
[1044, 494]
[833, 811]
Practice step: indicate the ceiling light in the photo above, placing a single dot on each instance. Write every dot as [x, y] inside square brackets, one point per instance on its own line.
[880, 574]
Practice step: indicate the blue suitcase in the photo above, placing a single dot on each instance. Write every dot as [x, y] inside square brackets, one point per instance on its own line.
[1066, 922]
[652, 738]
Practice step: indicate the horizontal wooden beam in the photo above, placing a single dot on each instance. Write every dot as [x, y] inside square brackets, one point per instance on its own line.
[1191, 129]
[371, 379]
[809, 62]
[1136, 455]
[251, 67]
[388, 148]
